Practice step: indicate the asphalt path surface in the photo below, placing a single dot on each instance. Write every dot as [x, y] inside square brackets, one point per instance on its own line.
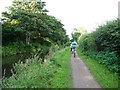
[82, 78]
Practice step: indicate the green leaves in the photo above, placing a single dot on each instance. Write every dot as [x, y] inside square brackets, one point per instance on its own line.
[30, 19]
[105, 42]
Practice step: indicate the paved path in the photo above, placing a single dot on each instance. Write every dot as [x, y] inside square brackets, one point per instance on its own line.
[82, 77]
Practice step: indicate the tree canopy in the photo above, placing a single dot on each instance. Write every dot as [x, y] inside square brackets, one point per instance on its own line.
[29, 21]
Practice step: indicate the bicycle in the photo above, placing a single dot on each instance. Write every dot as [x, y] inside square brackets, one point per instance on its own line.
[74, 51]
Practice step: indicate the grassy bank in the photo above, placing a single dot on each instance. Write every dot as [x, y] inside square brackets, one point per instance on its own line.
[62, 78]
[55, 73]
[104, 77]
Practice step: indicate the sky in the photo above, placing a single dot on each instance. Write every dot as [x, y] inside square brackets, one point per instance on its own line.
[77, 13]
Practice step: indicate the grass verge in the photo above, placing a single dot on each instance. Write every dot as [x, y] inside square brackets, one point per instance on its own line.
[104, 77]
[62, 79]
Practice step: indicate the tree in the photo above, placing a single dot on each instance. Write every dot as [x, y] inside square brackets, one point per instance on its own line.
[28, 20]
[77, 32]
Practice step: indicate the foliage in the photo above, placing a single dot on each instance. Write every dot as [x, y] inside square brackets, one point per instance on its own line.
[103, 45]
[78, 32]
[75, 36]
[17, 47]
[28, 21]
[87, 43]
[32, 74]
[104, 77]
[107, 36]
[26, 26]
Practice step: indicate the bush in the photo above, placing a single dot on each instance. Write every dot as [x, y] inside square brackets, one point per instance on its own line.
[104, 44]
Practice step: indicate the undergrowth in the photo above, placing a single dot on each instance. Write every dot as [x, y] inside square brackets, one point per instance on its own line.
[55, 72]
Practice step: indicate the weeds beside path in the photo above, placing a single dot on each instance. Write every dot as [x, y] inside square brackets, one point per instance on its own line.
[54, 73]
[103, 76]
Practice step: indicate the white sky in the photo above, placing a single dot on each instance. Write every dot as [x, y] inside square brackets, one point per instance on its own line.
[75, 13]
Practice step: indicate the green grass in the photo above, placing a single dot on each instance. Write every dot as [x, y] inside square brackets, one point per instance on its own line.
[55, 73]
[30, 74]
[63, 77]
[104, 77]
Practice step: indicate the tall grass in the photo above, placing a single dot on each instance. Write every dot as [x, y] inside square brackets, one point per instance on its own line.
[30, 74]
[55, 72]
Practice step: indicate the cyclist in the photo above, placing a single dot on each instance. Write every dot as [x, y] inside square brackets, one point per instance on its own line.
[73, 45]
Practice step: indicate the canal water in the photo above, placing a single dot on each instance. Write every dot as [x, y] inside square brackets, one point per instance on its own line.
[9, 61]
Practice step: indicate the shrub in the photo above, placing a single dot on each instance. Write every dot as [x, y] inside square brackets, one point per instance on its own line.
[103, 44]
